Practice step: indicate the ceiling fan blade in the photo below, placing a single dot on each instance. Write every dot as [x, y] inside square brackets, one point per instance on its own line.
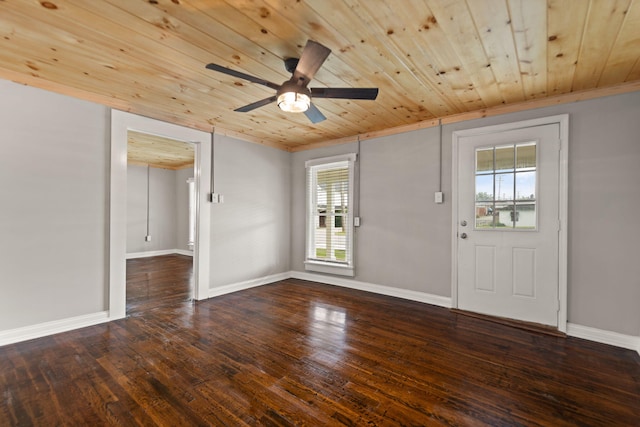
[256, 104]
[345, 93]
[312, 58]
[314, 114]
[229, 71]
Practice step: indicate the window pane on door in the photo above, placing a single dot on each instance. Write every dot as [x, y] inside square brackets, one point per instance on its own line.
[484, 187]
[526, 215]
[484, 160]
[504, 186]
[526, 186]
[505, 156]
[484, 215]
[526, 156]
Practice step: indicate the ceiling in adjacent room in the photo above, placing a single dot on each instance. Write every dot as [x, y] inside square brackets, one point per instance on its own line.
[159, 152]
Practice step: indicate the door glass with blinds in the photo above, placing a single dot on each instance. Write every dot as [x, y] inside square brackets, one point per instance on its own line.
[329, 215]
[505, 196]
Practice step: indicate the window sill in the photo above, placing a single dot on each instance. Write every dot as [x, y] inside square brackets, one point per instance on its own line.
[329, 268]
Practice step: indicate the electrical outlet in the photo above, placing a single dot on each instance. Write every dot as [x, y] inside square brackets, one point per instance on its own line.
[439, 197]
[147, 238]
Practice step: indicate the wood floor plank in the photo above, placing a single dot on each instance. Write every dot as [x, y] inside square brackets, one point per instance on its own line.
[297, 353]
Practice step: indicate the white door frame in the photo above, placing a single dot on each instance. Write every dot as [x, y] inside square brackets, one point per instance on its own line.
[563, 189]
[121, 123]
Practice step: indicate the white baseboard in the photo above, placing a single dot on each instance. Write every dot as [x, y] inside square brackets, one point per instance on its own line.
[49, 328]
[147, 254]
[54, 327]
[376, 289]
[605, 337]
[235, 287]
[592, 334]
[184, 252]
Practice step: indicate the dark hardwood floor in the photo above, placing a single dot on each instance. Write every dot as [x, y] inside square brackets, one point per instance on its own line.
[162, 281]
[301, 353]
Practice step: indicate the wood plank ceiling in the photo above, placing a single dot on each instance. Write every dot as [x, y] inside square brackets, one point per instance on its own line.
[431, 59]
[158, 152]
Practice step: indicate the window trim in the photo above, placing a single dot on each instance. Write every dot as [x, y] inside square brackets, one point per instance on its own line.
[342, 269]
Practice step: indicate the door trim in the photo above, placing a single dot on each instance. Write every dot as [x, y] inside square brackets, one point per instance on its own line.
[563, 189]
[121, 123]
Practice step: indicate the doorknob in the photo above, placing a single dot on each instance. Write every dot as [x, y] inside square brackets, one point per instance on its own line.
[463, 236]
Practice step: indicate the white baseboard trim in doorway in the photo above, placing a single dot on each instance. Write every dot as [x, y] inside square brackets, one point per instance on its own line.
[147, 254]
[40, 330]
[248, 284]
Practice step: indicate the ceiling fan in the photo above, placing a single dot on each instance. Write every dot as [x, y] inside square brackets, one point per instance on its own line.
[293, 95]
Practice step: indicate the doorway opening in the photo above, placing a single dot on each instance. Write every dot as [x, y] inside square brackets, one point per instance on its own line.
[121, 124]
[161, 220]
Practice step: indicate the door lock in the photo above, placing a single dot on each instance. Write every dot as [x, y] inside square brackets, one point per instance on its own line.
[463, 223]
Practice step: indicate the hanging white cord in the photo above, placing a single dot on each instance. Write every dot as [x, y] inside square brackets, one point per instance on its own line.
[440, 154]
[148, 199]
[212, 181]
[357, 183]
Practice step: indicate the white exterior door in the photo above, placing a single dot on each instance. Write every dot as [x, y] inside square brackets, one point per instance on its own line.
[508, 223]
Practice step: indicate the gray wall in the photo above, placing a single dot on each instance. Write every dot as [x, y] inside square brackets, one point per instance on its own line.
[54, 206]
[54, 192]
[250, 231]
[405, 238]
[403, 234]
[182, 208]
[164, 209]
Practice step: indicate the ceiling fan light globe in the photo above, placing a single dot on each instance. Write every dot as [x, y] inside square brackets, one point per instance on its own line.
[294, 102]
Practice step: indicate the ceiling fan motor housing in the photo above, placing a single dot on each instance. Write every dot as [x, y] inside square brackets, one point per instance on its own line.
[290, 64]
[292, 86]
[293, 98]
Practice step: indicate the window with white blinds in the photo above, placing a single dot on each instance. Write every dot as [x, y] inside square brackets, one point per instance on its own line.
[329, 215]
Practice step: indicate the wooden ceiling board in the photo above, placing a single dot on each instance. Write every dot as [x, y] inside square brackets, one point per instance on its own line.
[159, 152]
[620, 65]
[526, 17]
[494, 26]
[431, 59]
[597, 43]
[455, 20]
